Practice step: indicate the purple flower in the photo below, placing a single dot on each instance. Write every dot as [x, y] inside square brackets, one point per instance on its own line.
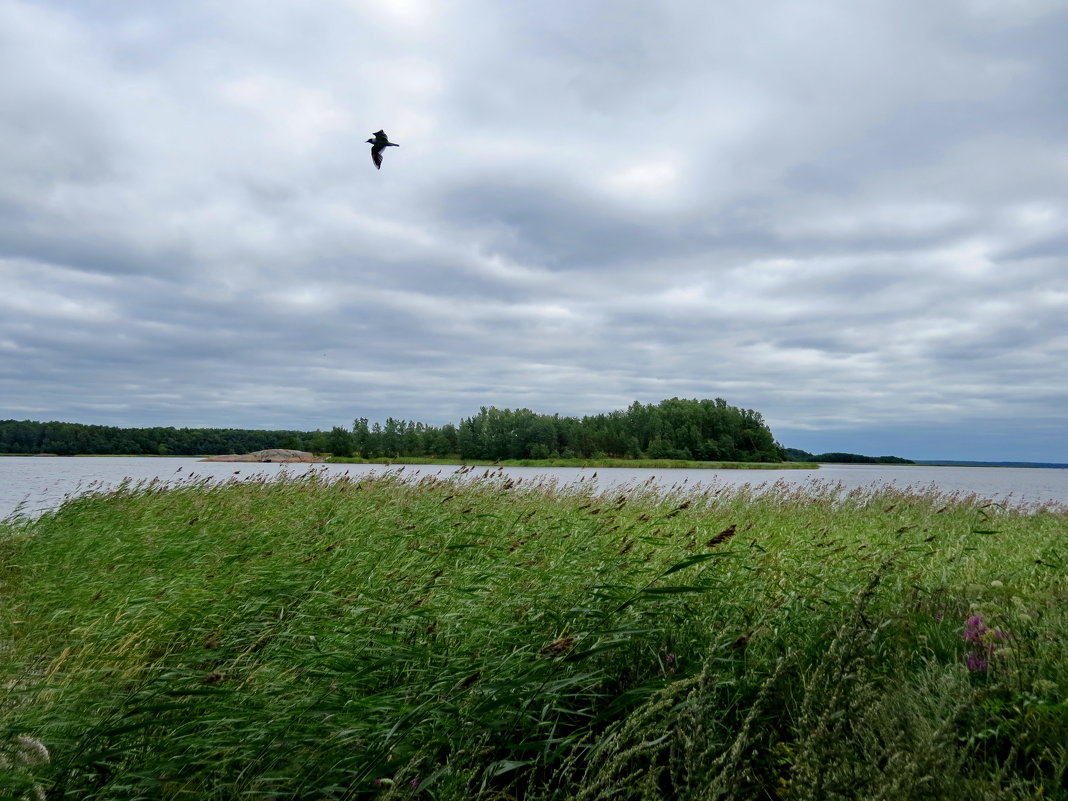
[976, 663]
[414, 783]
[974, 629]
[983, 643]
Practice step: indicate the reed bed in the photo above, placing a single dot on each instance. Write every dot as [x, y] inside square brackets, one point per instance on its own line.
[482, 638]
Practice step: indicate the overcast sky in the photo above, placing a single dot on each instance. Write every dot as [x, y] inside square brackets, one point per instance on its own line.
[849, 215]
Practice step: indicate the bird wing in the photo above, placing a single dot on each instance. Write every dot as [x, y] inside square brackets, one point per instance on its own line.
[376, 156]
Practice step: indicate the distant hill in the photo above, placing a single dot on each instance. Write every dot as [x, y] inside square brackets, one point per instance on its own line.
[959, 463]
[798, 455]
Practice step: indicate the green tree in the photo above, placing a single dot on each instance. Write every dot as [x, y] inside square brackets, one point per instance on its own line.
[340, 441]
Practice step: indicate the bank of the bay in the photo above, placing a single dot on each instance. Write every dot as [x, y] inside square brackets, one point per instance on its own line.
[371, 637]
[676, 429]
[590, 463]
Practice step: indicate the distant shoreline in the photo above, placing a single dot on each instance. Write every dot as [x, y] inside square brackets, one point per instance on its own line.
[965, 463]
[259, 457]
[673, 464]
[659, 463]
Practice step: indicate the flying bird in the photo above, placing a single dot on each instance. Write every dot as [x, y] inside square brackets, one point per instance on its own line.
[378, 144]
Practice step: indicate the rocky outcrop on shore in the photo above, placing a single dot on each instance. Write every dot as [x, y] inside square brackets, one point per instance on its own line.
[269, 455]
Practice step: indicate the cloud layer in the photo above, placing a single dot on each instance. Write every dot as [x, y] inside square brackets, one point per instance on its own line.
[851, 217]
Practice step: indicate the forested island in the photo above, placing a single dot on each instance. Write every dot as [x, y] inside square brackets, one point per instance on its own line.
[836, 457]
[77, 439]
[675, 429]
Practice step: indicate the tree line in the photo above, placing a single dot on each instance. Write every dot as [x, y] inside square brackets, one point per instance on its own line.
[71, 439]
[837, 457]
[708, 430]
[705, 430]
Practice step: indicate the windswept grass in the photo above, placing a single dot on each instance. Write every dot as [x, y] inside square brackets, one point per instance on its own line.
[328, 638]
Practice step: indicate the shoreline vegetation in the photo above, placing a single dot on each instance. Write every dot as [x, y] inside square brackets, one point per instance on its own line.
[682, 464]
[676, 430]
[327, 458]
[382, 637]
[814, 463]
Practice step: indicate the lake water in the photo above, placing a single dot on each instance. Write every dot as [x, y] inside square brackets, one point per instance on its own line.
[32, 484]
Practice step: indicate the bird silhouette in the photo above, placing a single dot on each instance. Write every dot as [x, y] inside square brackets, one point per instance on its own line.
[379, 143]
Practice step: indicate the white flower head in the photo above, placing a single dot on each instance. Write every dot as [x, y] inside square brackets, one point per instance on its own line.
[31, 750]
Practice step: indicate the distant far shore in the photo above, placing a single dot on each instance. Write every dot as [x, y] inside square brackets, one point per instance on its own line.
[962, 463]
[282, 455]
[312, 458]
[287, 456]
[675, 464]
[278, 455]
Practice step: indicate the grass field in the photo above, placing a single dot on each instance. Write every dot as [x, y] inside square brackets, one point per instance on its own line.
[328, 638]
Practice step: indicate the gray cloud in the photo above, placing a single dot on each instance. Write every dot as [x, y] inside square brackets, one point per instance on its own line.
[849, 217]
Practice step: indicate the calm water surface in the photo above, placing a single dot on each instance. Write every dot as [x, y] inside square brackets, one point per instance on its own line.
[33, 484]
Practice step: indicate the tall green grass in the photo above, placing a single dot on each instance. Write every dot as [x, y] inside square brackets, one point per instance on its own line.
[327, 638]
